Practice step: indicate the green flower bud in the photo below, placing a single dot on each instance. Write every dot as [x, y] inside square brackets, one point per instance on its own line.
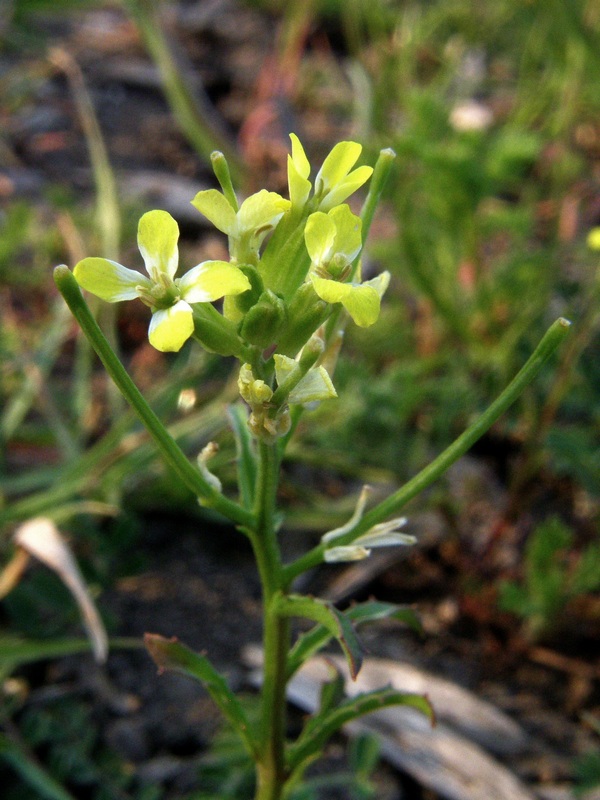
[264, 321]
[216, 333]
[306, 312]
[245, 301]
[254, 391]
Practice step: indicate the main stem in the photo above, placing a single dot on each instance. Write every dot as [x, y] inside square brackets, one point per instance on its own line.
[271, 774]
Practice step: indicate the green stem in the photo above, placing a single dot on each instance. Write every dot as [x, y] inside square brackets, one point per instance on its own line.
[396, 501]
[271, 775]
[167, 446]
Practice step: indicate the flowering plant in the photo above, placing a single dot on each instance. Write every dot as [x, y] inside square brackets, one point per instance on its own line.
[292, 282]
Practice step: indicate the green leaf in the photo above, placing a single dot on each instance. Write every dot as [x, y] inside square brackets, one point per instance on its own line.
[14, 651]
[315, 639]
[335, 622]
[321, 727]
[31, 772]
[172, 655]
[246, 455]
[586, 577]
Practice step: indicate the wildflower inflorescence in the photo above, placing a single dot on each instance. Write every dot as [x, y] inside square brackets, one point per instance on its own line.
[292, 264]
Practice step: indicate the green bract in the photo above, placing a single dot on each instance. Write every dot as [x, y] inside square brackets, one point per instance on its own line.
[246, 227]
[169, 297]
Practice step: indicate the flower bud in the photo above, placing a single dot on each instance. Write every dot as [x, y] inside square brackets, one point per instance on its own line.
[216, 333]
[306, 312]
[263, 322]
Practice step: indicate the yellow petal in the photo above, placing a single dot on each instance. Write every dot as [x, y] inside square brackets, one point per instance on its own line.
[108, 280]
[319, 236]
[361, 302]
[217, 209]
[212, 280]
[157, 239]
[171, 327]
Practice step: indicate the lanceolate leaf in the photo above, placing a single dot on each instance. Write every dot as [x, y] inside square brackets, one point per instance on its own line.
[321, 727]
[31, 772]
[172, 655]
[313, 640]
[335, 622]
[15, 651]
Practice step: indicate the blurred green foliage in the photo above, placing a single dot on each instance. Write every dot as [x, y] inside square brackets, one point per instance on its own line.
[553, 576]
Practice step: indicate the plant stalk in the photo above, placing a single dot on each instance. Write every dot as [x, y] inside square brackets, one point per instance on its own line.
[270, 768]
[168, 447]
[396, 501]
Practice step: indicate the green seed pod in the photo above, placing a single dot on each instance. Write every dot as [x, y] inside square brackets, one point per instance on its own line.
[263, 322]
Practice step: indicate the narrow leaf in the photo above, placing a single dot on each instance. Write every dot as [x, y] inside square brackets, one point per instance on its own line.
[321, 727]
[14, 651]
[315, 639]
[31, 772]
[336, 623]
[172, 655]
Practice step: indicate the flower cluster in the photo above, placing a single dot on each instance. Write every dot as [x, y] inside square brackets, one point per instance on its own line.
[293, 263]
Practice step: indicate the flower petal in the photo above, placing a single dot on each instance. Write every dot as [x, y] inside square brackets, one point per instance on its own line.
[157, 239]
[348, 552]
[299, 157]
[298, 169]
[345, 188]
[337, 165]
[319, 236]
[108, 280]
[261, 210]
[380, 283]
[315, 385]
[217, 209]
[299, 187]
[171, 327]
[361, 302]
[348, 227]
[356, 517]
[212, 280]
